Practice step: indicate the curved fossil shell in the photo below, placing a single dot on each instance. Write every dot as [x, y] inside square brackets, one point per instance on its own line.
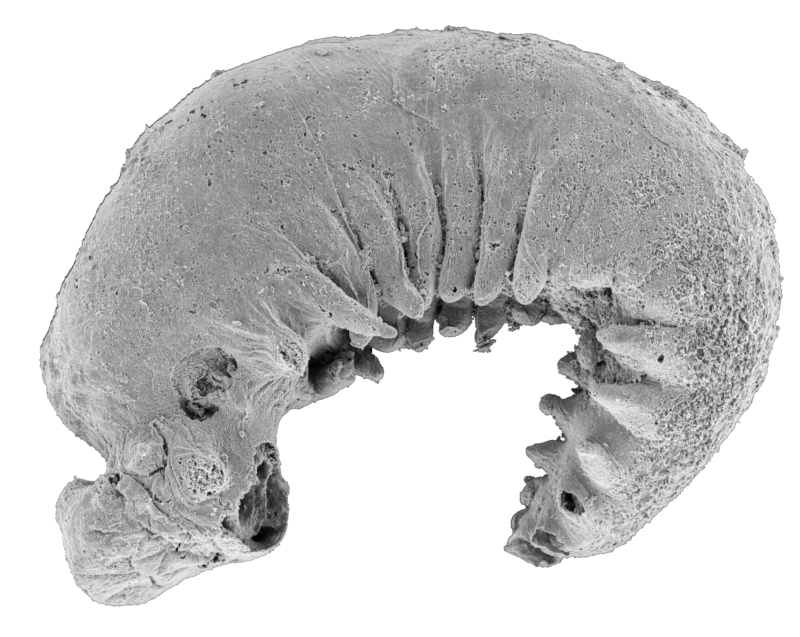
[294, 214]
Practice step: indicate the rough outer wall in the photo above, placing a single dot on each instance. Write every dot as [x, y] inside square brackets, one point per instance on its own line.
[294, 213]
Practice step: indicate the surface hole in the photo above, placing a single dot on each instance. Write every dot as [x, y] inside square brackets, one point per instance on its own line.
[570, 503]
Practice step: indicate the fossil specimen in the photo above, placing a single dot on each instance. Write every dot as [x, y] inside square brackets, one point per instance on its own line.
[295, 214]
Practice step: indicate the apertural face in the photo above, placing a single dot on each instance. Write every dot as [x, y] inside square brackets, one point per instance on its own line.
[294, 215]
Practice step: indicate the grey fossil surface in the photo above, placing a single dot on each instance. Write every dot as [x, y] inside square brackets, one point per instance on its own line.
[294, 215]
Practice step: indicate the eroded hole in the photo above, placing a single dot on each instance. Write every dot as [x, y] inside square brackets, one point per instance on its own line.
[548, 542]
[263, 511]
[201, 379]
[197, 410]
[266, 535]
[531, 553]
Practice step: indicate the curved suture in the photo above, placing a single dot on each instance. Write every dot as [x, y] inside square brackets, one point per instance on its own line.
[294, 215]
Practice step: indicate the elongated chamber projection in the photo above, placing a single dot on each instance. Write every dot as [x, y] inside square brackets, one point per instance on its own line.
[294, 215]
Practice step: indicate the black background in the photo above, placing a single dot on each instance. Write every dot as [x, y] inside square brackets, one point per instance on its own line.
[406, 489]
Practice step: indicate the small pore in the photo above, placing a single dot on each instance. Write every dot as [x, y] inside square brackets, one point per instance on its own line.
[570, 503]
